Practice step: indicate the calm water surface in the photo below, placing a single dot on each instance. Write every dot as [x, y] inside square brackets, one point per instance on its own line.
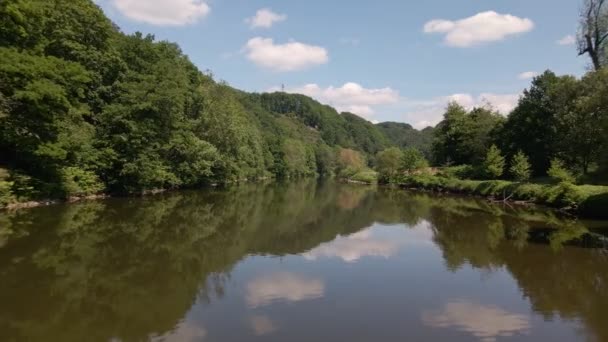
[300, 262]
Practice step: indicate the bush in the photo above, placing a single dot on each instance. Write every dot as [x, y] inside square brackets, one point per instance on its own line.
[6, 193]
[459, 172]
[79, 182]
[412, 159]
[559, 172]
[367, 176]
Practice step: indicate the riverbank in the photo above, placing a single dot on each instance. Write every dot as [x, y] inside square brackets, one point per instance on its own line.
[586, 201]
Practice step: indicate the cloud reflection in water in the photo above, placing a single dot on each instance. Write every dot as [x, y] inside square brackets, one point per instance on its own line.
[283, 286]
[484, 322]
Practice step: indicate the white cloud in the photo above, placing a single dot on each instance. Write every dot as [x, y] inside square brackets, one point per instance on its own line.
[527, 75]
[350, 97]
[481, 28]
[163, 12]
[567, 40]
[290, 287]
[265, 18]
[290, 56]
[426, 113]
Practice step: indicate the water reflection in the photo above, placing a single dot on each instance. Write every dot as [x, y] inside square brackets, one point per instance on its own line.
[134, 269]
[262, 325]
[482, 321]
[353, 247]
[282, 286]
[183, 332]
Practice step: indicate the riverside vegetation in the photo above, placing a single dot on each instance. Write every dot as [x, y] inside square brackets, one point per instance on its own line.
[86, 110]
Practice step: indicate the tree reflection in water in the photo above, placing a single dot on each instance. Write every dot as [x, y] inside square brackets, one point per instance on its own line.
[130, 269]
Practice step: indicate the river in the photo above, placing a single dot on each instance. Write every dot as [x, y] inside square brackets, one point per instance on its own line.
[304, 261]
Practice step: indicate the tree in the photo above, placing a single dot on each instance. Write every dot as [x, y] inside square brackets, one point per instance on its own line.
[494, 164]
[413, 160]
[593, 32]
[582, 122]
[349, 162]
[464, 137]
[389, 163]
[520, 167]
[531, 126]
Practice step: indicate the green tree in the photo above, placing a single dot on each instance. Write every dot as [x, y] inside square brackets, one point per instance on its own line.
[532, 125]
[494, 164]
[464, 137]
[413, 160]
[389, 163]
[520, 167]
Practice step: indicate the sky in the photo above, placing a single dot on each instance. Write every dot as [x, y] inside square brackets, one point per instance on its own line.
[384, 60]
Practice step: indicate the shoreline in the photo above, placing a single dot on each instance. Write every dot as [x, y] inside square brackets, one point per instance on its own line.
[577, 201]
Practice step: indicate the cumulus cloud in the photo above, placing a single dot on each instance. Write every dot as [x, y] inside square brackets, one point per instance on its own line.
[350, 97]
[290, 56]
[163, 12]
[265, 18]
[481, 28]
[290, 287]
[567, 40]
[527, 75]
[426, 113]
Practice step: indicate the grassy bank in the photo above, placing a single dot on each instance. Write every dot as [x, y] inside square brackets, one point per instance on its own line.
[590, 201]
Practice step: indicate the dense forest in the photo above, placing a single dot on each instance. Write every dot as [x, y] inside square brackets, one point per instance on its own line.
[86, 109]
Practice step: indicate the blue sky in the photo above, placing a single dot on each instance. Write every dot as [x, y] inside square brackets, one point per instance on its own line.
[386, 60]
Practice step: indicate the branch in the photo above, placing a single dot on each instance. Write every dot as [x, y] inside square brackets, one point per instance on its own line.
[601, 40]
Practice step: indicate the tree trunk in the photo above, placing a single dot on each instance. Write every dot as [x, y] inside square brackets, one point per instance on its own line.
[593, 53]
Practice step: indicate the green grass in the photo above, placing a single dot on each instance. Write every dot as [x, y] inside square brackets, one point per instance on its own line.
[586, 200]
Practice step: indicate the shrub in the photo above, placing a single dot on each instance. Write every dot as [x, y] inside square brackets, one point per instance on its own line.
[520, 167]
[6, 193]
[559, 172]
[366, 176]
[459, 172]
[79, 182]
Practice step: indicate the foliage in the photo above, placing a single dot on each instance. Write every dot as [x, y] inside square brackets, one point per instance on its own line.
[404, 135]
[464, 137]
[413, 160]
[6, 194]
[520, 167]
[389, 163]
[559, 172]
[79, 182]
[494, 164]
[86, 108]
[584, 199]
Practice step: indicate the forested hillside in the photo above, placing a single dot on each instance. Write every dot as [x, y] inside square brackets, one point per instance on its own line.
[86, 109]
